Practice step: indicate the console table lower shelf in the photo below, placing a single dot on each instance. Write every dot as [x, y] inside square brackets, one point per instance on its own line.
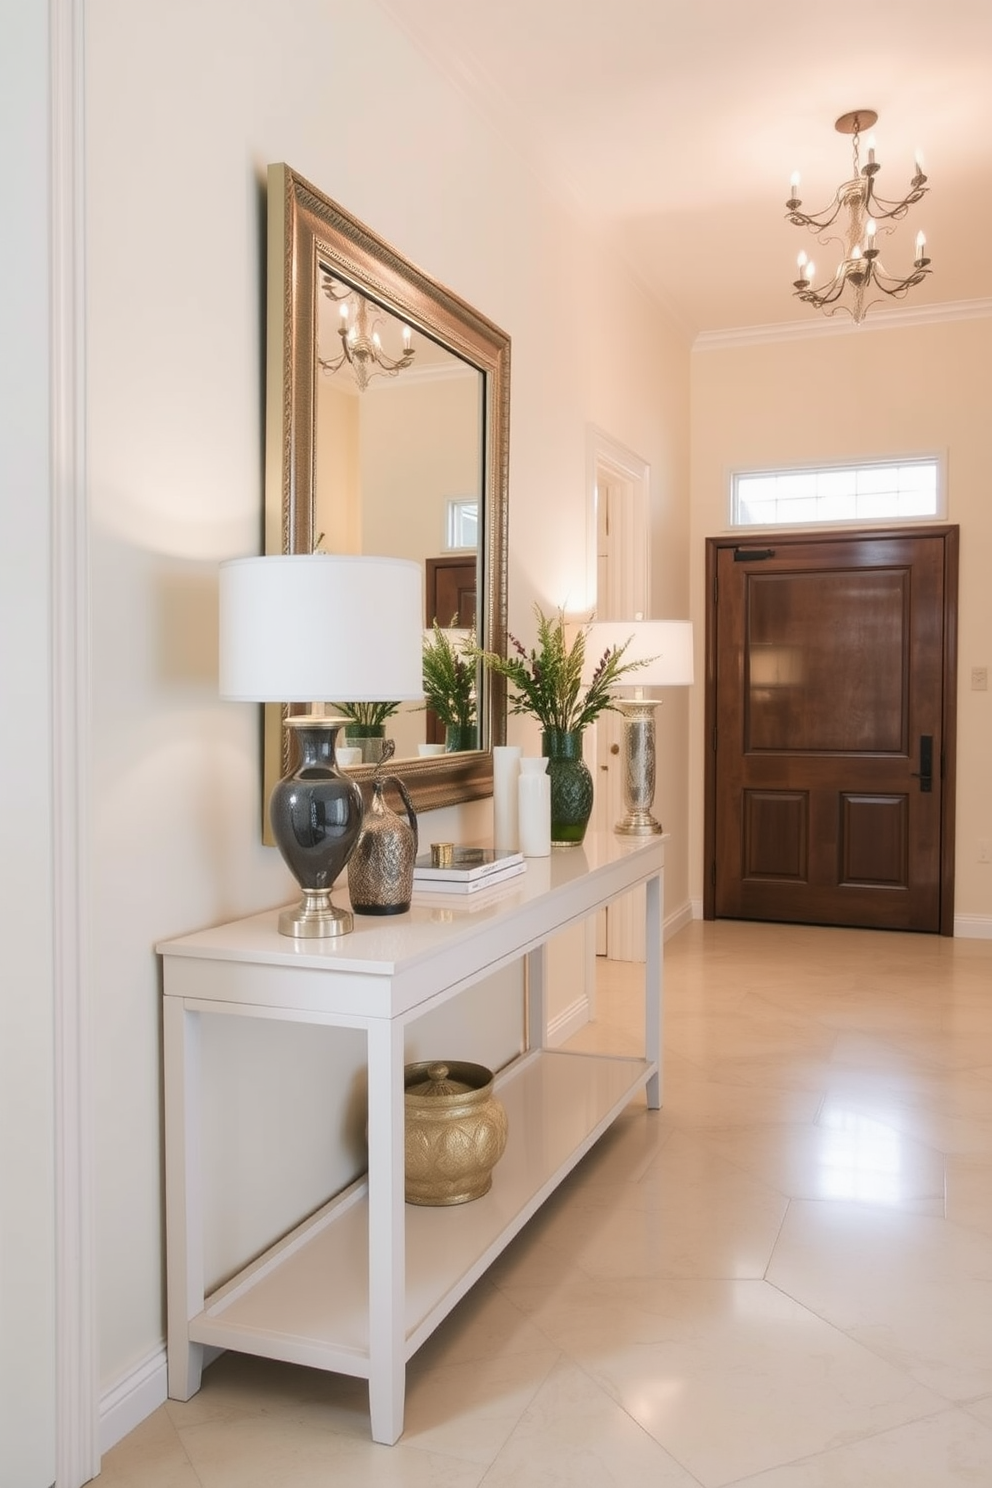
[306, 1300]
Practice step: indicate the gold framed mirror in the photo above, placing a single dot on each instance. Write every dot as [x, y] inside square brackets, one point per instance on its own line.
[324, 266]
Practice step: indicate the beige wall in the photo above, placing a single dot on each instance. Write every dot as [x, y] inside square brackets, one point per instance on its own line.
[870, 393]
[186, 106]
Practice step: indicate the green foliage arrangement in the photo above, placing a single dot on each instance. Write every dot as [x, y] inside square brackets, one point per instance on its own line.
[548, 679]
[449, 677]
[369, 715]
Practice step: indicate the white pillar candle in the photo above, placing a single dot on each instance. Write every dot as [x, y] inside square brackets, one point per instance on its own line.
[535, 807]
[506, 773]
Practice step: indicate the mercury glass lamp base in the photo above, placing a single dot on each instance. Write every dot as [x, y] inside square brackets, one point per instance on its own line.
[638, 768]
[638, 824]
[315, 917]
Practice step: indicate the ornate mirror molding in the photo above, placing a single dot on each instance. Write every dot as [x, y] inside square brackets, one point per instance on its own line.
[312, 243]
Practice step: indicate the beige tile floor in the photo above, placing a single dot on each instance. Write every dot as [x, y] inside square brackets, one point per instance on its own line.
[781, 1280]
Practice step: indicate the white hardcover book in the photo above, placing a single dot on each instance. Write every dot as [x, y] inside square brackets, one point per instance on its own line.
[468, 865]
[468, 885]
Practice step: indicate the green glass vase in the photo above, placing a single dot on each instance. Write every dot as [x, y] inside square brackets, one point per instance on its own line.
[460, 736]
[571, 786]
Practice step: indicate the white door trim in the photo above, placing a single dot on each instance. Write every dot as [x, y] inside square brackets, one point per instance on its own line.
[77, 1456]
[626, 577]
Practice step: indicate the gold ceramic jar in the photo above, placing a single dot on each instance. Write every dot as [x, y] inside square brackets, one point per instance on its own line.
[455, 1132]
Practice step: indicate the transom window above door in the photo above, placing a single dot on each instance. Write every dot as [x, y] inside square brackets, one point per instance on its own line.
[883, 490]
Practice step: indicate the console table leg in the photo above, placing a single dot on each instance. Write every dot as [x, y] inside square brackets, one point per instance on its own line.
[537, 1001]
[183, 1196]
[387, 1230]
[653, 989]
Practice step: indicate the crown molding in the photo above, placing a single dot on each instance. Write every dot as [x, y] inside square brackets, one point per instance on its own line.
[804, 330]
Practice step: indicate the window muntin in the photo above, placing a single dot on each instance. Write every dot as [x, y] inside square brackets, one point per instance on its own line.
[462, 523]
[883, 490]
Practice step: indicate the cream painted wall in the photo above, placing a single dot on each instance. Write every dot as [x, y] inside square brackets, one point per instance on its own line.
[27, 864]
[866, 394]
[187, 104]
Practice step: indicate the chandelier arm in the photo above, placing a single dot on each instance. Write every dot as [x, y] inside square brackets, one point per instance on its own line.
[816, 223]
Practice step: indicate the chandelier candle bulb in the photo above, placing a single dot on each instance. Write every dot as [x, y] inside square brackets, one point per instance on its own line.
[506, 775]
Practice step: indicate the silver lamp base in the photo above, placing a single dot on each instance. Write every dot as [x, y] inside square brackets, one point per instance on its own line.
[638, 768]
[315, 917]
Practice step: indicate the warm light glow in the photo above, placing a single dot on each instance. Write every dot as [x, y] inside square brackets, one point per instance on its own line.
[921, 243]
[870, 230]
[871, 149]
[794, 182]
[860, 1159]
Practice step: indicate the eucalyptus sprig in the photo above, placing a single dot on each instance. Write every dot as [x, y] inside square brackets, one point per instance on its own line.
[548, 679]
[449, 677]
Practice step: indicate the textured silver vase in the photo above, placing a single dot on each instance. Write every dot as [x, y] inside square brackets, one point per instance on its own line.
[380, 869]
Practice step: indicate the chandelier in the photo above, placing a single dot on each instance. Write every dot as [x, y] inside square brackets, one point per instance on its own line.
[860, 272]
[361, 344]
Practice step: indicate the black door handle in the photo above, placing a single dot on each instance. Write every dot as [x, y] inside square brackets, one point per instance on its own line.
[925, 773]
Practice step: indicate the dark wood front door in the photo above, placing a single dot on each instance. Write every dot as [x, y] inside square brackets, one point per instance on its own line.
[830, 699]
[451, 598]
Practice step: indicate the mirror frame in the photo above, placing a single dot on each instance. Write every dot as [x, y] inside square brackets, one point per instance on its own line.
[306, 228]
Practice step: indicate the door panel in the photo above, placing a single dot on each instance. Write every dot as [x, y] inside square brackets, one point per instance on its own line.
[828, 677]
[450, 597]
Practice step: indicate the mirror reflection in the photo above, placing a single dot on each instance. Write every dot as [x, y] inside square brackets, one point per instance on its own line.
[398, 469]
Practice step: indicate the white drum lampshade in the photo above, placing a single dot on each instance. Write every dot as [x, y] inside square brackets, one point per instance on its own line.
[319, 628]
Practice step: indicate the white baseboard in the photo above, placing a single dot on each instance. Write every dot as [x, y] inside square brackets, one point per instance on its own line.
[126, 1404]
[973, 927]
[679, 919]
[697, 908]
[568, 1021]
[138, 1394]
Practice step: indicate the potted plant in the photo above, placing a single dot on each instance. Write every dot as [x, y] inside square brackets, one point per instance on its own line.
[548, 683]
[450, 662]
[366, 728]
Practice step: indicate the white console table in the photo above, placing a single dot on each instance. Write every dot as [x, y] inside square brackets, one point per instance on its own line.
[360, 1285]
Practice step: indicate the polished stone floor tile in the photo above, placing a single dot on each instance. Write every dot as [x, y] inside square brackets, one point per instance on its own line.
[949, 1450]
[731, 1378]
[272, 1452]
[574, 1435]
[915, 1290]
[783, 1279]
[846, 1154]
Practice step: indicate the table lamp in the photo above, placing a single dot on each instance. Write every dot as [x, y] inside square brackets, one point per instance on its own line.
[312, 628]
[666, 647]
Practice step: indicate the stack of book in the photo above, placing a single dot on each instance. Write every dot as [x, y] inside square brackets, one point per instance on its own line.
[471, 869]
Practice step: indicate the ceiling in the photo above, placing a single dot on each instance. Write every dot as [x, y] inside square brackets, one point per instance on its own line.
[675, 125]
